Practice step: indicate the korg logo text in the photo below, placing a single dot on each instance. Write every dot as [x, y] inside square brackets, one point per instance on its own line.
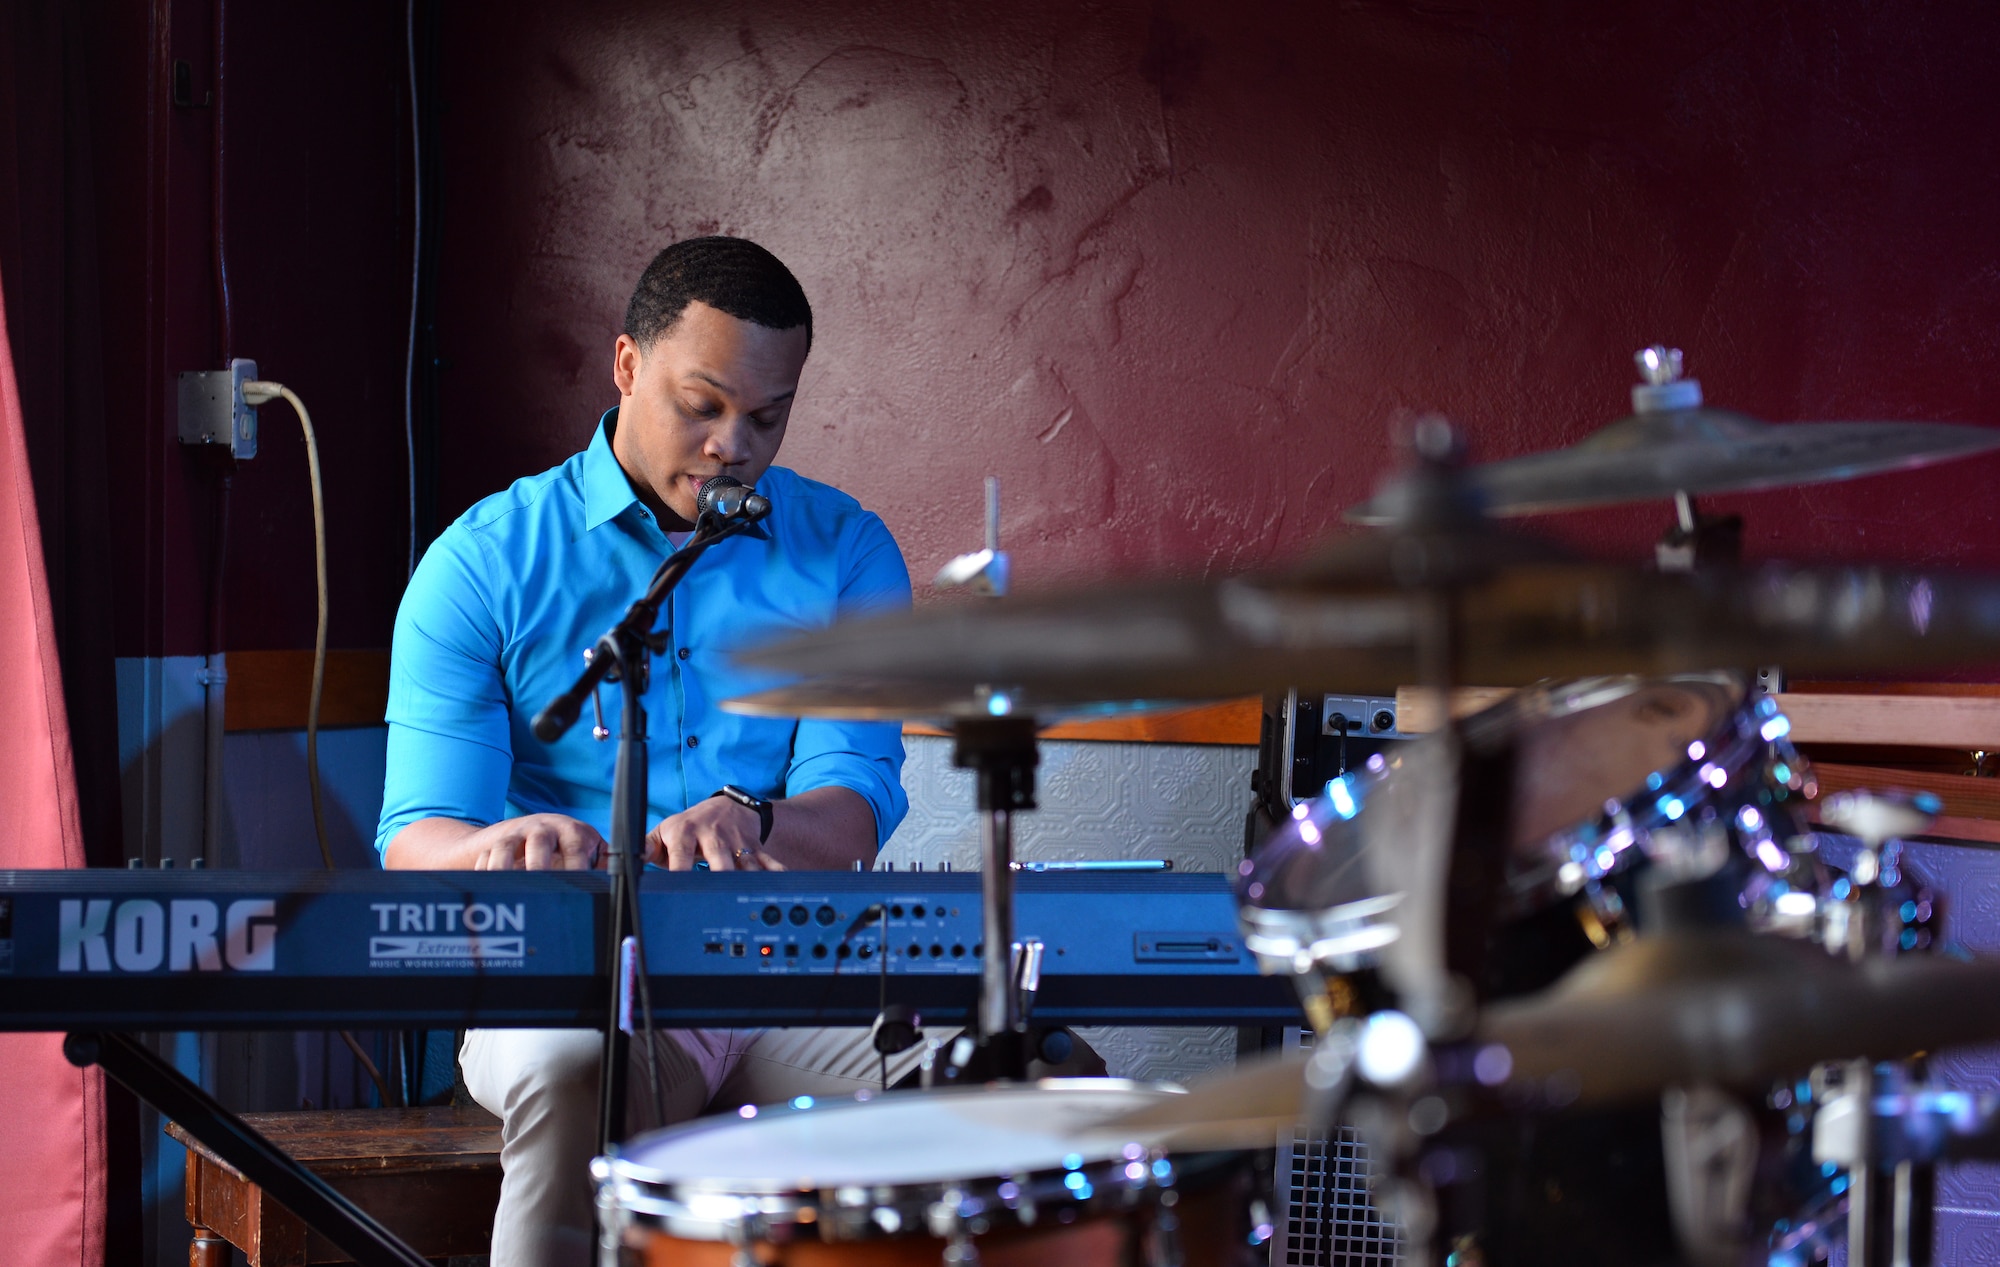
[183, 935]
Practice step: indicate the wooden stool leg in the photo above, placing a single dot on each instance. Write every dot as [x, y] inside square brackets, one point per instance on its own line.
[207, 1249]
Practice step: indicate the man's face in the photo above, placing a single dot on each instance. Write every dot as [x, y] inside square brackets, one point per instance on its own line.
[709, 397]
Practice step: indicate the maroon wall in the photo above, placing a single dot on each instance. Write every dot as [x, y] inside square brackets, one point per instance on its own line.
[1171, 270]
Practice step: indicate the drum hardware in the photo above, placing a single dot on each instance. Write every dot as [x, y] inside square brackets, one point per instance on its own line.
[1710, 1145]
[1877, 820]
[985, 571]
[1697, 540]
[1001, 752]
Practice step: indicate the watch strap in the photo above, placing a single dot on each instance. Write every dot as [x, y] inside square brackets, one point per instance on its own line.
[750, 800]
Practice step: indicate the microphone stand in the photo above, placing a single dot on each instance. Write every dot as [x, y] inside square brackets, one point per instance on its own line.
[624, 655]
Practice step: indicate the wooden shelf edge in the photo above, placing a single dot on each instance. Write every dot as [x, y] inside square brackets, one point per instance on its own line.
[270, 690]
[1900, 719]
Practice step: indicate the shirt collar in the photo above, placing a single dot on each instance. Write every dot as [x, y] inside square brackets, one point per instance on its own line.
[607, 493]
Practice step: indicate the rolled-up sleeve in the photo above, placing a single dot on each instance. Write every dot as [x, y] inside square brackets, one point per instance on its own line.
[864, 757]
[449, 752]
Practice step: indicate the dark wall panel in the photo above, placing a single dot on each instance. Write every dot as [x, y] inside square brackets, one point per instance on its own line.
[315, 199]
[1173, 270]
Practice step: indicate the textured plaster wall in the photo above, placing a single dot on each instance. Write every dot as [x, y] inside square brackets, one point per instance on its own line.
[1172, 270]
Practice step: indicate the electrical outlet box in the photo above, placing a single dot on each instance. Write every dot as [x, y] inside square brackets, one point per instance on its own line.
[213, 411]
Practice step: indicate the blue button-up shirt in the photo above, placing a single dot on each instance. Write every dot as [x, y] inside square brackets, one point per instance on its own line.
[495, 621]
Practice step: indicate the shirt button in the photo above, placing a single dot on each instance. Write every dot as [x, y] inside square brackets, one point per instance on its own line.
[683, 653]
[694, 741]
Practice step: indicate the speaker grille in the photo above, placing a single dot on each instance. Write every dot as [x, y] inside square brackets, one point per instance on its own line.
[1327, 1219]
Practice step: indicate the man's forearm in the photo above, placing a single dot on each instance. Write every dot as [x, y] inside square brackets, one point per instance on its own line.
[826, 829]
[433, 844]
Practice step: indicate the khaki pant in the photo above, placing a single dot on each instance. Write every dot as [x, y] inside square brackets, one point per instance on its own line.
[542, 1085]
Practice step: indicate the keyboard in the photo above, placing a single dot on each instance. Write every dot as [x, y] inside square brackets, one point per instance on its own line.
[213, 950]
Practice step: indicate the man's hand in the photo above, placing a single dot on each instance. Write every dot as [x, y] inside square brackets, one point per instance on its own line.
[718, 830]
[537, 842]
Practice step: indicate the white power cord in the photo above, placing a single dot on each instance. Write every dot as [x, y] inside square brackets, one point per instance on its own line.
[258, 392]
[416, 277]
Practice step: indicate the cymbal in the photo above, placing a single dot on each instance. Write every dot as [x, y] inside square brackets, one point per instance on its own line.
[1646, 457]
[1347, 620]
[1679, 1009]
[1733, 1008]
[1671, 444]
[1247, 1107]
[867, 700]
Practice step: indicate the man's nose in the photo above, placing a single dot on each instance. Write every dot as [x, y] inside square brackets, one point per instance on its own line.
[729, 442]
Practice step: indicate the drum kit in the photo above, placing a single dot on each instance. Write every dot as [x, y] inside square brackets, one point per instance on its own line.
[1574, 966]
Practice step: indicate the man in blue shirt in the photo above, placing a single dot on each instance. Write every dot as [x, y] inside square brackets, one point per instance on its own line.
[491, 628]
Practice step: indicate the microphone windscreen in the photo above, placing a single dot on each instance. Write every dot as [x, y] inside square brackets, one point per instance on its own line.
[711, 489]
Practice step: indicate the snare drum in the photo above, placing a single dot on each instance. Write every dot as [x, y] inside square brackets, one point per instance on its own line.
[1007, 1176]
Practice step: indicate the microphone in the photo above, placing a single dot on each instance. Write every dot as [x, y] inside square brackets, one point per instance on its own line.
[729, 498]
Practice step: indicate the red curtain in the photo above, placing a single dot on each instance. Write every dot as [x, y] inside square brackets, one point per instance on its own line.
[52, 1163]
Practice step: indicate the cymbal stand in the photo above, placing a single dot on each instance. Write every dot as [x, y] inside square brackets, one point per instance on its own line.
[1698, 541]
[1001, 752]
[1888, 1199]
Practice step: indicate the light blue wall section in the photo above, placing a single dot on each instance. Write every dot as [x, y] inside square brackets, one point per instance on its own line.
[267, 805]
[161, 756]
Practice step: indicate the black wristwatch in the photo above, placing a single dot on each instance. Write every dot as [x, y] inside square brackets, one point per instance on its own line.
[749, 800]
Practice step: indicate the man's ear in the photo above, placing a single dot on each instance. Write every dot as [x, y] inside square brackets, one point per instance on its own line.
[625, 358]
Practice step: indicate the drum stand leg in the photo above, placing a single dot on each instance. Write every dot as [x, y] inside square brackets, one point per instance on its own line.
[1001, 753]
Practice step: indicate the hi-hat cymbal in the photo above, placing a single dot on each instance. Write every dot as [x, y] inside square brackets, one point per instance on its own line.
[1347, 621]
[1733, 1008]
[1649, 457]
[1671, 444]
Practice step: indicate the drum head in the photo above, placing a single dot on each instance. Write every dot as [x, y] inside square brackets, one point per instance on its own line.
[1588, 748]
[929, 1138]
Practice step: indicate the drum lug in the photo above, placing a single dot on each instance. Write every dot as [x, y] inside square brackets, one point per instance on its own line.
[740, 1254]
[1163, 1239]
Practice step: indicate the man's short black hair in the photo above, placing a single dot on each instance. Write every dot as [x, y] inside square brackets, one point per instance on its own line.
[734, 275]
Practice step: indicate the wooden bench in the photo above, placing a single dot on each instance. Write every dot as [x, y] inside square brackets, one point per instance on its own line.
[432, 1176]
